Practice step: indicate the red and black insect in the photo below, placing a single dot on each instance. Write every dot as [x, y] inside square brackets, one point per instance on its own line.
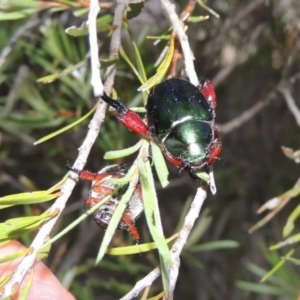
[101, 188]
[181, 119]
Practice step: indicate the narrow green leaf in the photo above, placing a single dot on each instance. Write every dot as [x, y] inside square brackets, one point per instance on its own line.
[260, 288]
[294, 192]
[26, 289]
[114, 222]
[4, 279]
[57, 186]
[43, 253]
[156, 297]
[14, 228]
[24, 3]
[161, 70]
[15, 255]
[255, 269]
[277, 267]
[136, 249]
[80, 12]
[102, 26]
[202, 175]
[122, 153]
[14, 15]
[289, 241]
[75, 223]
[120, 181]
[159, 37]
[53, 134]
[203, 5]
[106, 62]
[27, 198]
[152, 209]
[164, 269]
[160, 165]
[214, 246]
[293, 260]
[290, 224]
[197, 19]
[127, 59]
[53, 77]
[139, 61]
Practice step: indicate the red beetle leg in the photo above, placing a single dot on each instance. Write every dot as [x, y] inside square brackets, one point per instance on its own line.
[215, 150]
[103, 190]
[131, 227]
[90, 176]
[90, 202]
[133, 122]
[173, 160]
[207, 89]
[127, 117]
[216, 132]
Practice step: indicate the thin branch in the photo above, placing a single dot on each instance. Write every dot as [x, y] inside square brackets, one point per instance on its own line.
[142, 284]
[246, 115]
[184, 41]
[201, 192]
[95, 63]
[276, 204]
[242, 55]
[235, 19]
[177, 248]
[59, 204]
[188, 224]
[291, 103]
[114, 45]
[256, 108]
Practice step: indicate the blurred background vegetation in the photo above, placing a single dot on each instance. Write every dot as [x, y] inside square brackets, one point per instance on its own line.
[248, 53]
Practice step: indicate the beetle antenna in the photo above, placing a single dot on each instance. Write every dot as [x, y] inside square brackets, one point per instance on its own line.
[120, 108]
[70, 168]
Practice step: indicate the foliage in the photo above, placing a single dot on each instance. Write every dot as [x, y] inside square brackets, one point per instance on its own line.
[45, 99]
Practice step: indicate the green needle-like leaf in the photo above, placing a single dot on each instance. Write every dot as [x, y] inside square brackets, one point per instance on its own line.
[14, 228]
[161, 70]
[214, 246]
[26, 289]
[136, 249]
[102, 25]
[15, 255]
[277, 267]
[114, 223]
[53, 134]
[27, 198]
[160, 165]
[290, 224]
[152, 209]
[75, 223]
[53, 77]
[122, 153]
